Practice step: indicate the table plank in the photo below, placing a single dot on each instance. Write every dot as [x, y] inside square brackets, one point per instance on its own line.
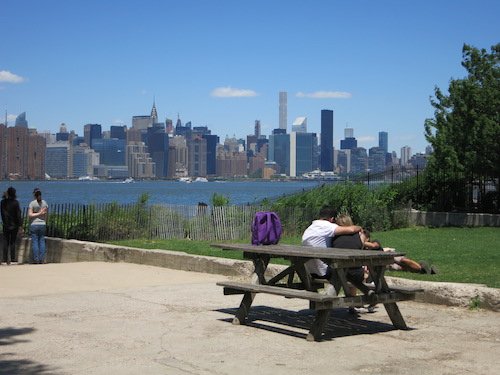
[309, 251]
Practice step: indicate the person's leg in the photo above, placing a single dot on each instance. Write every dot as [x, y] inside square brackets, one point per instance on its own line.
[5, 249]
[12, 246]
[41, 237]
[34, 244]
[409, 265]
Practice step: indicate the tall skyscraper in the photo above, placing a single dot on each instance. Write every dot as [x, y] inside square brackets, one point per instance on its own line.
[283, 110]
[326, 153]
[21, 120]
[257, 129]
[302, 146]
[91, 132]
[405, 155]
[349, 142]
[300, 125]
[279, 152]
[383, 141]
[154, 114]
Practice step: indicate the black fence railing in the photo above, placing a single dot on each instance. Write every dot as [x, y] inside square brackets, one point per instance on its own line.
[446, 191]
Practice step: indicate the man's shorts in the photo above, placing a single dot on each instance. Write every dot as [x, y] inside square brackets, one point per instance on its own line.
[356, 274]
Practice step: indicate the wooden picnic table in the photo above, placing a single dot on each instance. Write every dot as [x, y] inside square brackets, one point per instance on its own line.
[296, 282]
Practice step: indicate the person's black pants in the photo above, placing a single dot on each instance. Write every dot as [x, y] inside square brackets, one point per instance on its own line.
[9, 245]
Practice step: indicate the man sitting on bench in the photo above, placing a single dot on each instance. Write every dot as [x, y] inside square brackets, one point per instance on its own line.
[321, 234]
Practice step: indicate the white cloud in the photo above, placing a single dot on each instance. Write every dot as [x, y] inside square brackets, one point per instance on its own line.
[325, 95]
[11, 118]
[6, 76]
[143, 92]
[229, 92]
[119, 122]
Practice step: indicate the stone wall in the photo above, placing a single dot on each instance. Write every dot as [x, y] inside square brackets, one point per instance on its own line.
[67, 251]
[451, 219]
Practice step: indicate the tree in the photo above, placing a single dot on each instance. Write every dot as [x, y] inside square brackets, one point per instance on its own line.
[465, 131]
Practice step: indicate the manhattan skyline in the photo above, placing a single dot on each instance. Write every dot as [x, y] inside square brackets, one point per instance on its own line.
[222, 64]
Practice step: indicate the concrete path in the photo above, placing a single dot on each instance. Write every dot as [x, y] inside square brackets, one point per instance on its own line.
[119, 318]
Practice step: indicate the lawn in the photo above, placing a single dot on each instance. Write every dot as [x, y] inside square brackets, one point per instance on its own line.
[463, 255]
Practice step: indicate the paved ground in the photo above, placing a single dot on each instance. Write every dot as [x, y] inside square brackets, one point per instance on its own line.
[109, 318]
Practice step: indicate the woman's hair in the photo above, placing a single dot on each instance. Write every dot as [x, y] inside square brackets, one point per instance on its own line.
[11, 193]
[37, 193]
[344, 220]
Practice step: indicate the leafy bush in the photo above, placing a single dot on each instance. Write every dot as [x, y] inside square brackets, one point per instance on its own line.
[371, 209]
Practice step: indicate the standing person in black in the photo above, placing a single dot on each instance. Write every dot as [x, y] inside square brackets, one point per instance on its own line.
[12, 225]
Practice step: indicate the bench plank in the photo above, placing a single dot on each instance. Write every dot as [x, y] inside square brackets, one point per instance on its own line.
[231, 286]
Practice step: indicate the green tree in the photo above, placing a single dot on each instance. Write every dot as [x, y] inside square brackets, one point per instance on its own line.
[465, 131]
[466, 128]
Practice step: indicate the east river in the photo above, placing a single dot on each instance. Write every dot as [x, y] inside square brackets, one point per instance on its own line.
[161, 192]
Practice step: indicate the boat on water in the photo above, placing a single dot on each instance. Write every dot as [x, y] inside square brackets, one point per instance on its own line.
[187, 180]
[128, 180]
[88, 178]
[200, 179]
[321, 175]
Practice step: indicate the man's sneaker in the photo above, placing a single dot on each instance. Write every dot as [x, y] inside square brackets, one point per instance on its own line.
[13, 263]
[434, 269]
[3, 263]
[425, 267]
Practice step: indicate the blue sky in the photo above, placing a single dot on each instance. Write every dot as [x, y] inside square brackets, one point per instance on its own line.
[222, 63]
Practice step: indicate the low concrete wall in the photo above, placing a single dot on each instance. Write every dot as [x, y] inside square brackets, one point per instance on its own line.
[454, 219]
[68, 251]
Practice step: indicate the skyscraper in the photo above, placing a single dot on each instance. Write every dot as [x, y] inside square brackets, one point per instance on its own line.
[91, 132]
[279, 152]
[302, 146]
[405, 155]
[257, 129]
[349, 142]
[383, 141]
[300, 125]
[21, 120]
[326, 153]
[283, 110]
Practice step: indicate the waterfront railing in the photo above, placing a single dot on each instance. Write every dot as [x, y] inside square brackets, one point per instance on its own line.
[113, 221]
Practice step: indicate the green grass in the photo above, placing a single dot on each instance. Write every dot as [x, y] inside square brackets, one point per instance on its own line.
[463, 255]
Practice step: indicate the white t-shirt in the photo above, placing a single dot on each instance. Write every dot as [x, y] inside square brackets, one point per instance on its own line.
[319, 234]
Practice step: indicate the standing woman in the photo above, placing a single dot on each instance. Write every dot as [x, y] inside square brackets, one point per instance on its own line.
[12, 225]
[37, 213]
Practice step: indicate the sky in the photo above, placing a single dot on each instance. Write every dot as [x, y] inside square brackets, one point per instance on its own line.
[222, 63]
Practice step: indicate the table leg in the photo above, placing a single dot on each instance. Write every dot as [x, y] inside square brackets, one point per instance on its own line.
[244, 309]
[382, 287]
[318, 326]
[260, 263]
[395, 315]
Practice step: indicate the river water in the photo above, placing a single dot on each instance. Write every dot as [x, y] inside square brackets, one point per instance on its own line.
[161, 192]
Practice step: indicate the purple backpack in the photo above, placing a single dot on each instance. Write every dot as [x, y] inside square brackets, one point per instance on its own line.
[266, 228]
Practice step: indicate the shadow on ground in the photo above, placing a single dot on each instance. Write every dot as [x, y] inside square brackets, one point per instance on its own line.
[340, 323]
[10, 366]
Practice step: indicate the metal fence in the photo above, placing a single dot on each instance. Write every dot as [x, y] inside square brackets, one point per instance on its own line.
[111, 222]
[449, 190]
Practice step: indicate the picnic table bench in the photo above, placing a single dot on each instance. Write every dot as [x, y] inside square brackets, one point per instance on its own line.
[296, 282]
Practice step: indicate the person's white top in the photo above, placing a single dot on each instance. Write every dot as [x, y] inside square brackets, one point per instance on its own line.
[319, 234]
